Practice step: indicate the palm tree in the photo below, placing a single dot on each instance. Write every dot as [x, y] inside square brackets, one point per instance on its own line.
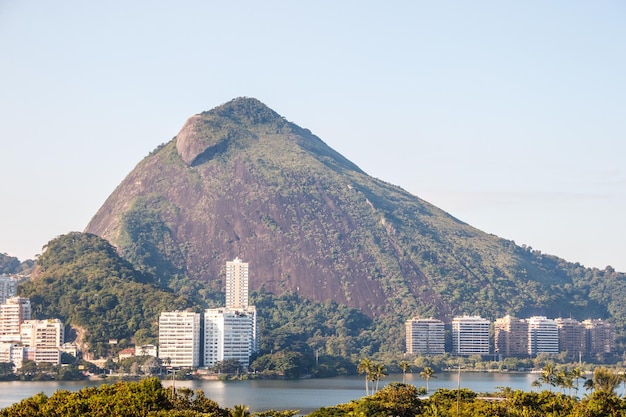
[536, 384]
[427, 373]
[365, 367]
[577, 374]
[378, 373]
[404, 365]
[605, 380]
[548, 375]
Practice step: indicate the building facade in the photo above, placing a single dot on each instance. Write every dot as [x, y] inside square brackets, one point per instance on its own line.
[236, 284]
[572, 337]
[425, 336]
[543, 335]
[8, 288]
[13, 313]
[470, 335]
[229, 334]
[510, 337]
[179, 339]
[600, 337]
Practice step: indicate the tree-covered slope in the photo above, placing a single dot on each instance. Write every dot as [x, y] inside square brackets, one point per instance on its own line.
[240, 180]
[10, 265]
[81, 280]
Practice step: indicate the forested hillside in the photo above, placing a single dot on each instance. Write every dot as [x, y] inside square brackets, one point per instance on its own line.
[240, 180]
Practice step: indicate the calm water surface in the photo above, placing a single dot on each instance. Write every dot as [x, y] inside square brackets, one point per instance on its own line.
[305, 395]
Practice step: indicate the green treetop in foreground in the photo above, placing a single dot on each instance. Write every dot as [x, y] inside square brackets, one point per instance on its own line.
[149, 398]
[146, 398]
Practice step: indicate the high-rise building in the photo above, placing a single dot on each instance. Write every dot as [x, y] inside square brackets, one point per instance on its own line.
[229, 334]
[12, 314]
[543, 335]
[42, 333]
[8, 288]
[572, 337]
[470, 335]
[600, 336]
[179, 339]
[425, 336]
[236, 284]
[511, 336]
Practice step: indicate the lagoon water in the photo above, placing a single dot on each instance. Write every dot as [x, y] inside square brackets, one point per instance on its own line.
[305, 395]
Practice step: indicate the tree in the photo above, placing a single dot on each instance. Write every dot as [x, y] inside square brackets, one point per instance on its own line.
[378, 372]
[405, 366]
[365, 367]
[240, 411]
[605, 380]
[577, 374]
[548, 375]
[427, 373]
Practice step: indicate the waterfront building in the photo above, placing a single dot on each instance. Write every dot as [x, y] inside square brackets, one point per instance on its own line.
[179, 339]
[8, 288]
[229, 334]
[236, 284]
[43, 340]
[510, 337]
[13, 312]
[425, 336]
[12, 352]
[572, 337]
[543, 335]
[470, 335]
[146, 350]
[42, 333]
[600, 336]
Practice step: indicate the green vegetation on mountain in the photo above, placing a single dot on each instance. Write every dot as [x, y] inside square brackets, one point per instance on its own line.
[81, 280]
[10, 265]
[240, 180]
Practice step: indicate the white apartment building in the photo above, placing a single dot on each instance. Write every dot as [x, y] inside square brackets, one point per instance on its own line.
[12, 314]
[470, 335]
[425, 336]
[11, 352]
[236, 284]
[179, 338]
[543, 335]
[48, 333]
[43, 340]
[229, 334]
[8, 288]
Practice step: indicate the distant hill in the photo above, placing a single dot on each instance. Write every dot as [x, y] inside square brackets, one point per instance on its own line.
[240, 180]
[80, 279]
[10, 265]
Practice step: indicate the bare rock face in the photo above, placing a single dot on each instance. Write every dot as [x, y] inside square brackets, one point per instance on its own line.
[241, 181]
[189, 144]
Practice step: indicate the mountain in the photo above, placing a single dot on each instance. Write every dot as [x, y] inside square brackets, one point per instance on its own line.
[241, 181]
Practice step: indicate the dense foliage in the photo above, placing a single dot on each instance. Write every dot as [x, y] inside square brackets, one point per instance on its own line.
[10, 265]
[300, 337]
[242, 181]
[81, 280]
[404, 400]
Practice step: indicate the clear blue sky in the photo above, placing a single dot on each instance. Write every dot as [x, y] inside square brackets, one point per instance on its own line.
[510, 115]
